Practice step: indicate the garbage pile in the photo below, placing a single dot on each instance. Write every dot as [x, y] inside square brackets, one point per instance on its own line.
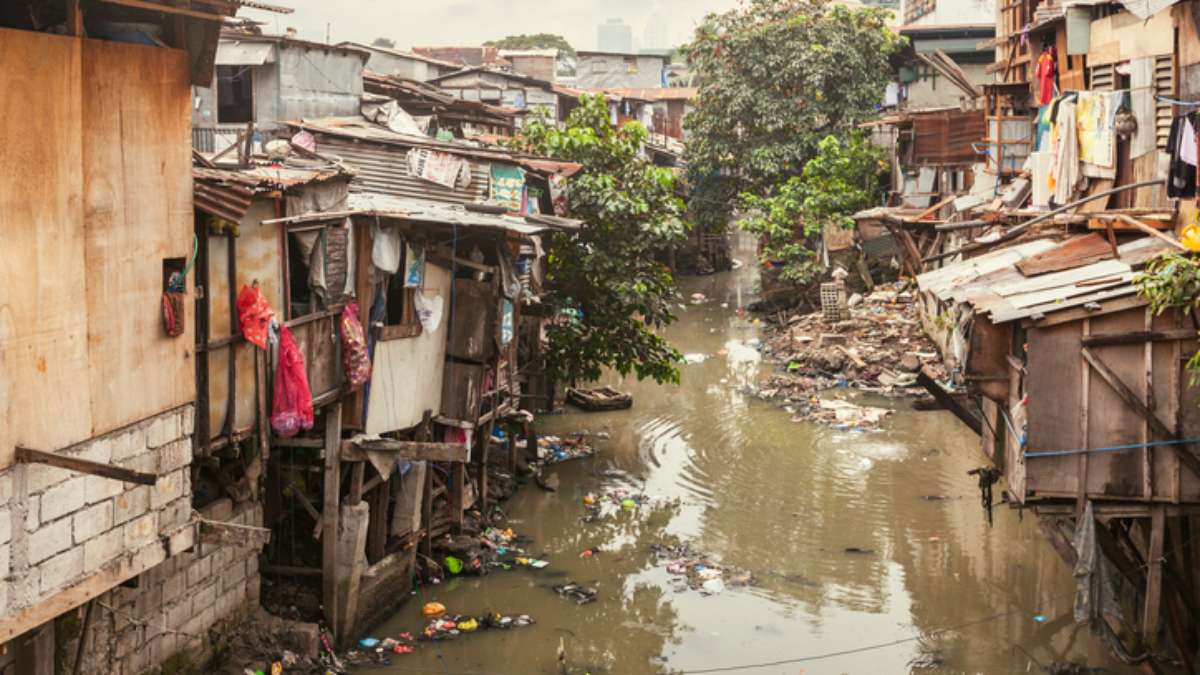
[444, 626]
[879, 349]
[619, 499]
[554, 449]
[696, 571]
[577, 592]
[493, 549]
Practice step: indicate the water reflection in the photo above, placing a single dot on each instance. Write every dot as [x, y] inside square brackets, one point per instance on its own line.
[786, 501]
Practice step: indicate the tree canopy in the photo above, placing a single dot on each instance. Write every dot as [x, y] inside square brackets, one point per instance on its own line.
[386, 43]
[776, 77]
[612, 292]
[534, 41]
[842, 179]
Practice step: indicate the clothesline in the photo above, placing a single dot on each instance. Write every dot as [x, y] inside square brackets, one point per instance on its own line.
[1189, 104]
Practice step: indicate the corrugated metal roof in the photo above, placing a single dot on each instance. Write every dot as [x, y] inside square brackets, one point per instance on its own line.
[993, 285]
[435, 214]
[227, 193]
[383, 169]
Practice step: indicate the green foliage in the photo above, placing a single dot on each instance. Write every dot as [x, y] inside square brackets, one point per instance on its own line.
[613, 292]
[386, 43]
[777, 76]
[841, 179]
[534, 41]
[1172, 281]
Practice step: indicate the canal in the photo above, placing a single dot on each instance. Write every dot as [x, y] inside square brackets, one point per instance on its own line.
[931, 588]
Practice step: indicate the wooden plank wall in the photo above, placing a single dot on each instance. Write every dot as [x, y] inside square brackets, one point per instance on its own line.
[95, 138]
[138, 210]
[43, 310]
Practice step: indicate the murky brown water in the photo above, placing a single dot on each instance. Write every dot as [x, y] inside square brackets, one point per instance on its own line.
[782, 500]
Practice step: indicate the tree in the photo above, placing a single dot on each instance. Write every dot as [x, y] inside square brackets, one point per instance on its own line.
[612, 292]
[386, 43]
[534, 41]
[776, 77]
[842, 179]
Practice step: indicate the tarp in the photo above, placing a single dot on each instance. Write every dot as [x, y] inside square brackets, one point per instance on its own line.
[1144, 9]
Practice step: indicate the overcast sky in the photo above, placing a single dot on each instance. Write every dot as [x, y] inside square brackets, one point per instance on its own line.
[459, 22]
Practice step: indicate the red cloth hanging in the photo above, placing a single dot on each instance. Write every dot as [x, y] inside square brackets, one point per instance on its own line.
[254, 315]
[356, 361]
[291, 409]
[1045, 77]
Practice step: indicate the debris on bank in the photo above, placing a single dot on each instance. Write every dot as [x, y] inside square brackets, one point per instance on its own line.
[878, 349]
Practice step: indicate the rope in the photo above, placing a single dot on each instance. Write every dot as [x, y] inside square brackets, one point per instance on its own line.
[1112, 448]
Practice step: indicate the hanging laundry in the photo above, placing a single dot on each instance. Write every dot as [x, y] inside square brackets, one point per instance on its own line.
[508, 186]
[355, 360]
[414, 272]
[1045, 76]
[1141, 98]
[386, 248]
[291, 407]
[254, 315]
[1064, 170]
[1181, 173]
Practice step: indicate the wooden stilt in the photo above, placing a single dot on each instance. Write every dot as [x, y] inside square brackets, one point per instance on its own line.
[329, 516]
[1154, 576]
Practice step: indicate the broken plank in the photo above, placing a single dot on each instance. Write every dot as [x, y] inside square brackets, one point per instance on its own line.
[949, 402]
[355, 451]
[31, 456]
[1139, 336]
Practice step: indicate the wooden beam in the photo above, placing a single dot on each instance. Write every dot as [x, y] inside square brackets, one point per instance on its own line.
[418, 451]
[165, 9]
[1139, 225]
[74, 25]
[454, 495]
[356, 482]
[949, 402]
[1134, 337]
[1132, 400]
[1154, 577]
[329, 516]
[30, 456]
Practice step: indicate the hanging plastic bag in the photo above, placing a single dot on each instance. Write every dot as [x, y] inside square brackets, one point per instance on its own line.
[291, 409]
[254, 315]
[354, 347]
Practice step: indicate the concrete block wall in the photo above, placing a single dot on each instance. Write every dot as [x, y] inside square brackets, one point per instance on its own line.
[179, 610]
[60, 528]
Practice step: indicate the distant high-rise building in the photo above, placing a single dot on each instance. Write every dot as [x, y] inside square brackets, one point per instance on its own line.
[655, 36]
[614, 35]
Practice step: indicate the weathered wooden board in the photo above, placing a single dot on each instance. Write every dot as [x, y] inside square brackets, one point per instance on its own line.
[407, 376]
[43, 333]
[1052, 381]
[137, 208]
[1124, 36]
[472, 321]
[1110, 421]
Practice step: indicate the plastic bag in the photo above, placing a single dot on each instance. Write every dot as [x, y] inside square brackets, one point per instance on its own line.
[354, 347]
[291, 409]
[254, 315]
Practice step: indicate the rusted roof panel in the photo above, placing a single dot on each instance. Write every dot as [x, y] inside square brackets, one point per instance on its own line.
[1072, 253]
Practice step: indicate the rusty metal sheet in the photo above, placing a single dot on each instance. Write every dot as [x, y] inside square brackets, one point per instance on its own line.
[947, 137]
[1075, 252]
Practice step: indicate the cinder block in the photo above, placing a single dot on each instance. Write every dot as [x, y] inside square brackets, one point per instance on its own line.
[200, 622]
[146, 462]
[229, 601]
[173, 587]
[168, 488]
[58, 571]
[129, 443]
[179, 613]
[98, 488]
[175, 455]
[58, 501]
[32, 521]
[199, 572]
[233, 575]
[103, 548]
[5, 560]
[49, 539]
[6, 481]
[163, 430]
[92, 521]
[141, 530]
[97, 450]
[252, 566]
[175, 514]
[38, 477]
[6, 518]
[131, 504]
[206, 596]
[128, 640]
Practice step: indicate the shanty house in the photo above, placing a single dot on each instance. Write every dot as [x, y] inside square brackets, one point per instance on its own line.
[402, 64]
[497, 87]
[260, 79]
[601, 70]
[97, 356]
